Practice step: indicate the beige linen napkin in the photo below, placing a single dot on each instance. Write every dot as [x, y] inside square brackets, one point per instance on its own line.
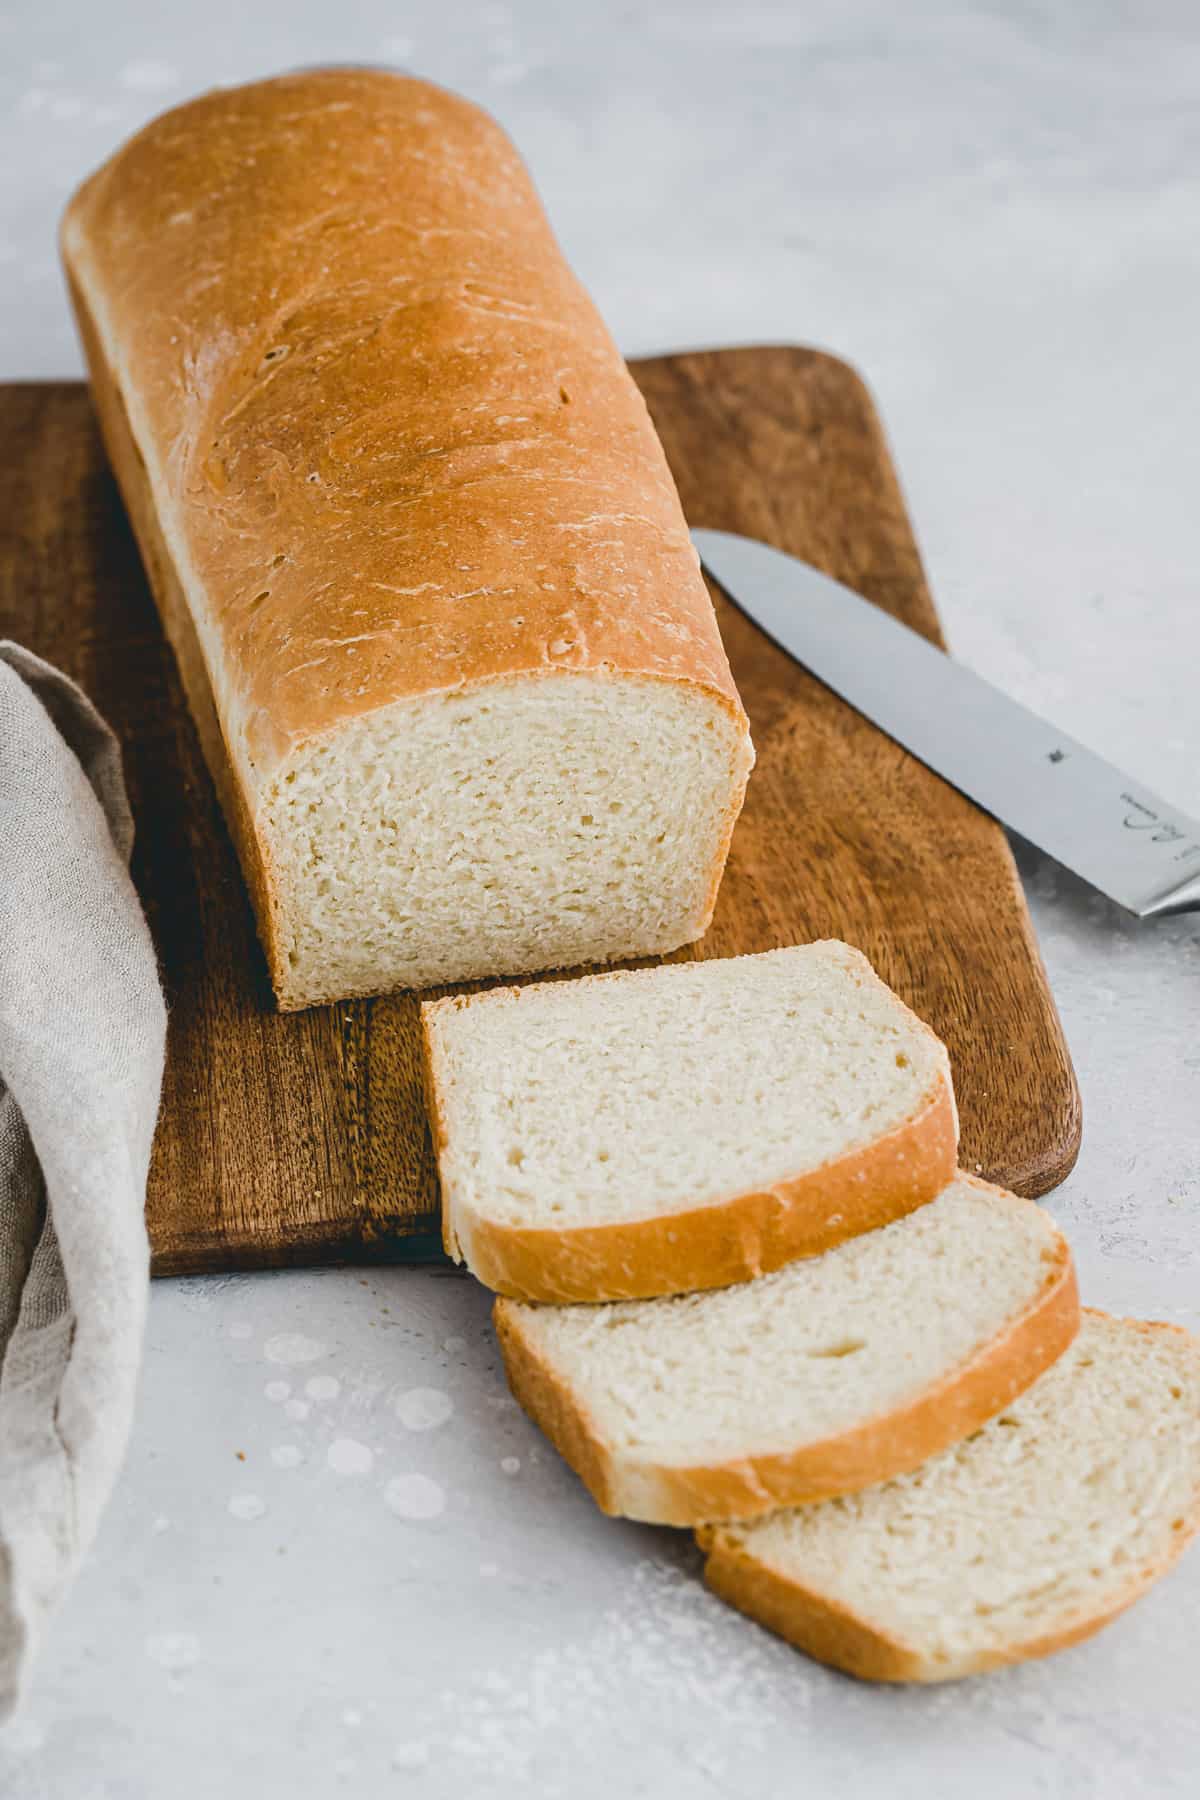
[82, 1029]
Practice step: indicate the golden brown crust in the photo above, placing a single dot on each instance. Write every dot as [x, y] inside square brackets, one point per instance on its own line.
[391, 445]
[437, 1118]
[824, 1630]
[890, 1444]
[724, 1241]
[552, 1406]
[834, 1634]
[180, 630]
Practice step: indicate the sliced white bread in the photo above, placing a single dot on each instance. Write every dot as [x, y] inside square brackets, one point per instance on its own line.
[1028, 1537]
[827, 1375]
[682, 1127]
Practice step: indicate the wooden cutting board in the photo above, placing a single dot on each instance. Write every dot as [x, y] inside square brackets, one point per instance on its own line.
[302, 1138]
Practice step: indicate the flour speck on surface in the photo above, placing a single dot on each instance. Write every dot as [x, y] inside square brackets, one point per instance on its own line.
[346, 1456]
[247, 1506]
[421, 1408]
[323, 1387]
[297, 1409]
[415, 1497]
[148, 76]
[22, 1736]
[277, 1391]
[174, 1651]
[161, 1524]
[515, 69]
[292, 1347]
[511, 1465]
[287, 1456]
[410, 1756]
[453, 1345]
[687, 1649]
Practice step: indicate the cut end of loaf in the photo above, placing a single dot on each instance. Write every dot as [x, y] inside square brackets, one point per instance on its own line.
[515, 827]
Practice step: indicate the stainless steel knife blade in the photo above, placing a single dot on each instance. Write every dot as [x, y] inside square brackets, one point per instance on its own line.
[1115, 833]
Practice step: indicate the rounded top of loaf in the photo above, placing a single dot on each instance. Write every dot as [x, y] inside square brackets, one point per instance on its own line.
[391, 446]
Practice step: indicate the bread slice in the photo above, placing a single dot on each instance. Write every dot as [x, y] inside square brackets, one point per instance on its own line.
[832, 1373]
[1028, 1537]
[682, 1127]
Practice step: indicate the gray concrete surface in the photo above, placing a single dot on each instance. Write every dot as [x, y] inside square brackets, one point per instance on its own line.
[992, 210]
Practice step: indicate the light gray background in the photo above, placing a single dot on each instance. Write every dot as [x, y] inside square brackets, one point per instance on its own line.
[993, 211]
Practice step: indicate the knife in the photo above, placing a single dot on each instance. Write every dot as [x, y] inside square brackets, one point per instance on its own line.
[1079, 809]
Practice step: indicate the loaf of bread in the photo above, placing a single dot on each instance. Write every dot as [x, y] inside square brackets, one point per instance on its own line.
[659, 1130]
[413, 538]
[1025, 1538]
[827, 1376]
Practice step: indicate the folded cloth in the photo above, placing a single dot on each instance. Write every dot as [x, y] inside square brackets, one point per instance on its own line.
[82, 1032]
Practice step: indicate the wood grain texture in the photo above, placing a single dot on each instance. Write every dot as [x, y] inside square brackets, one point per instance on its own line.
[302, 1137]
[844, 834]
